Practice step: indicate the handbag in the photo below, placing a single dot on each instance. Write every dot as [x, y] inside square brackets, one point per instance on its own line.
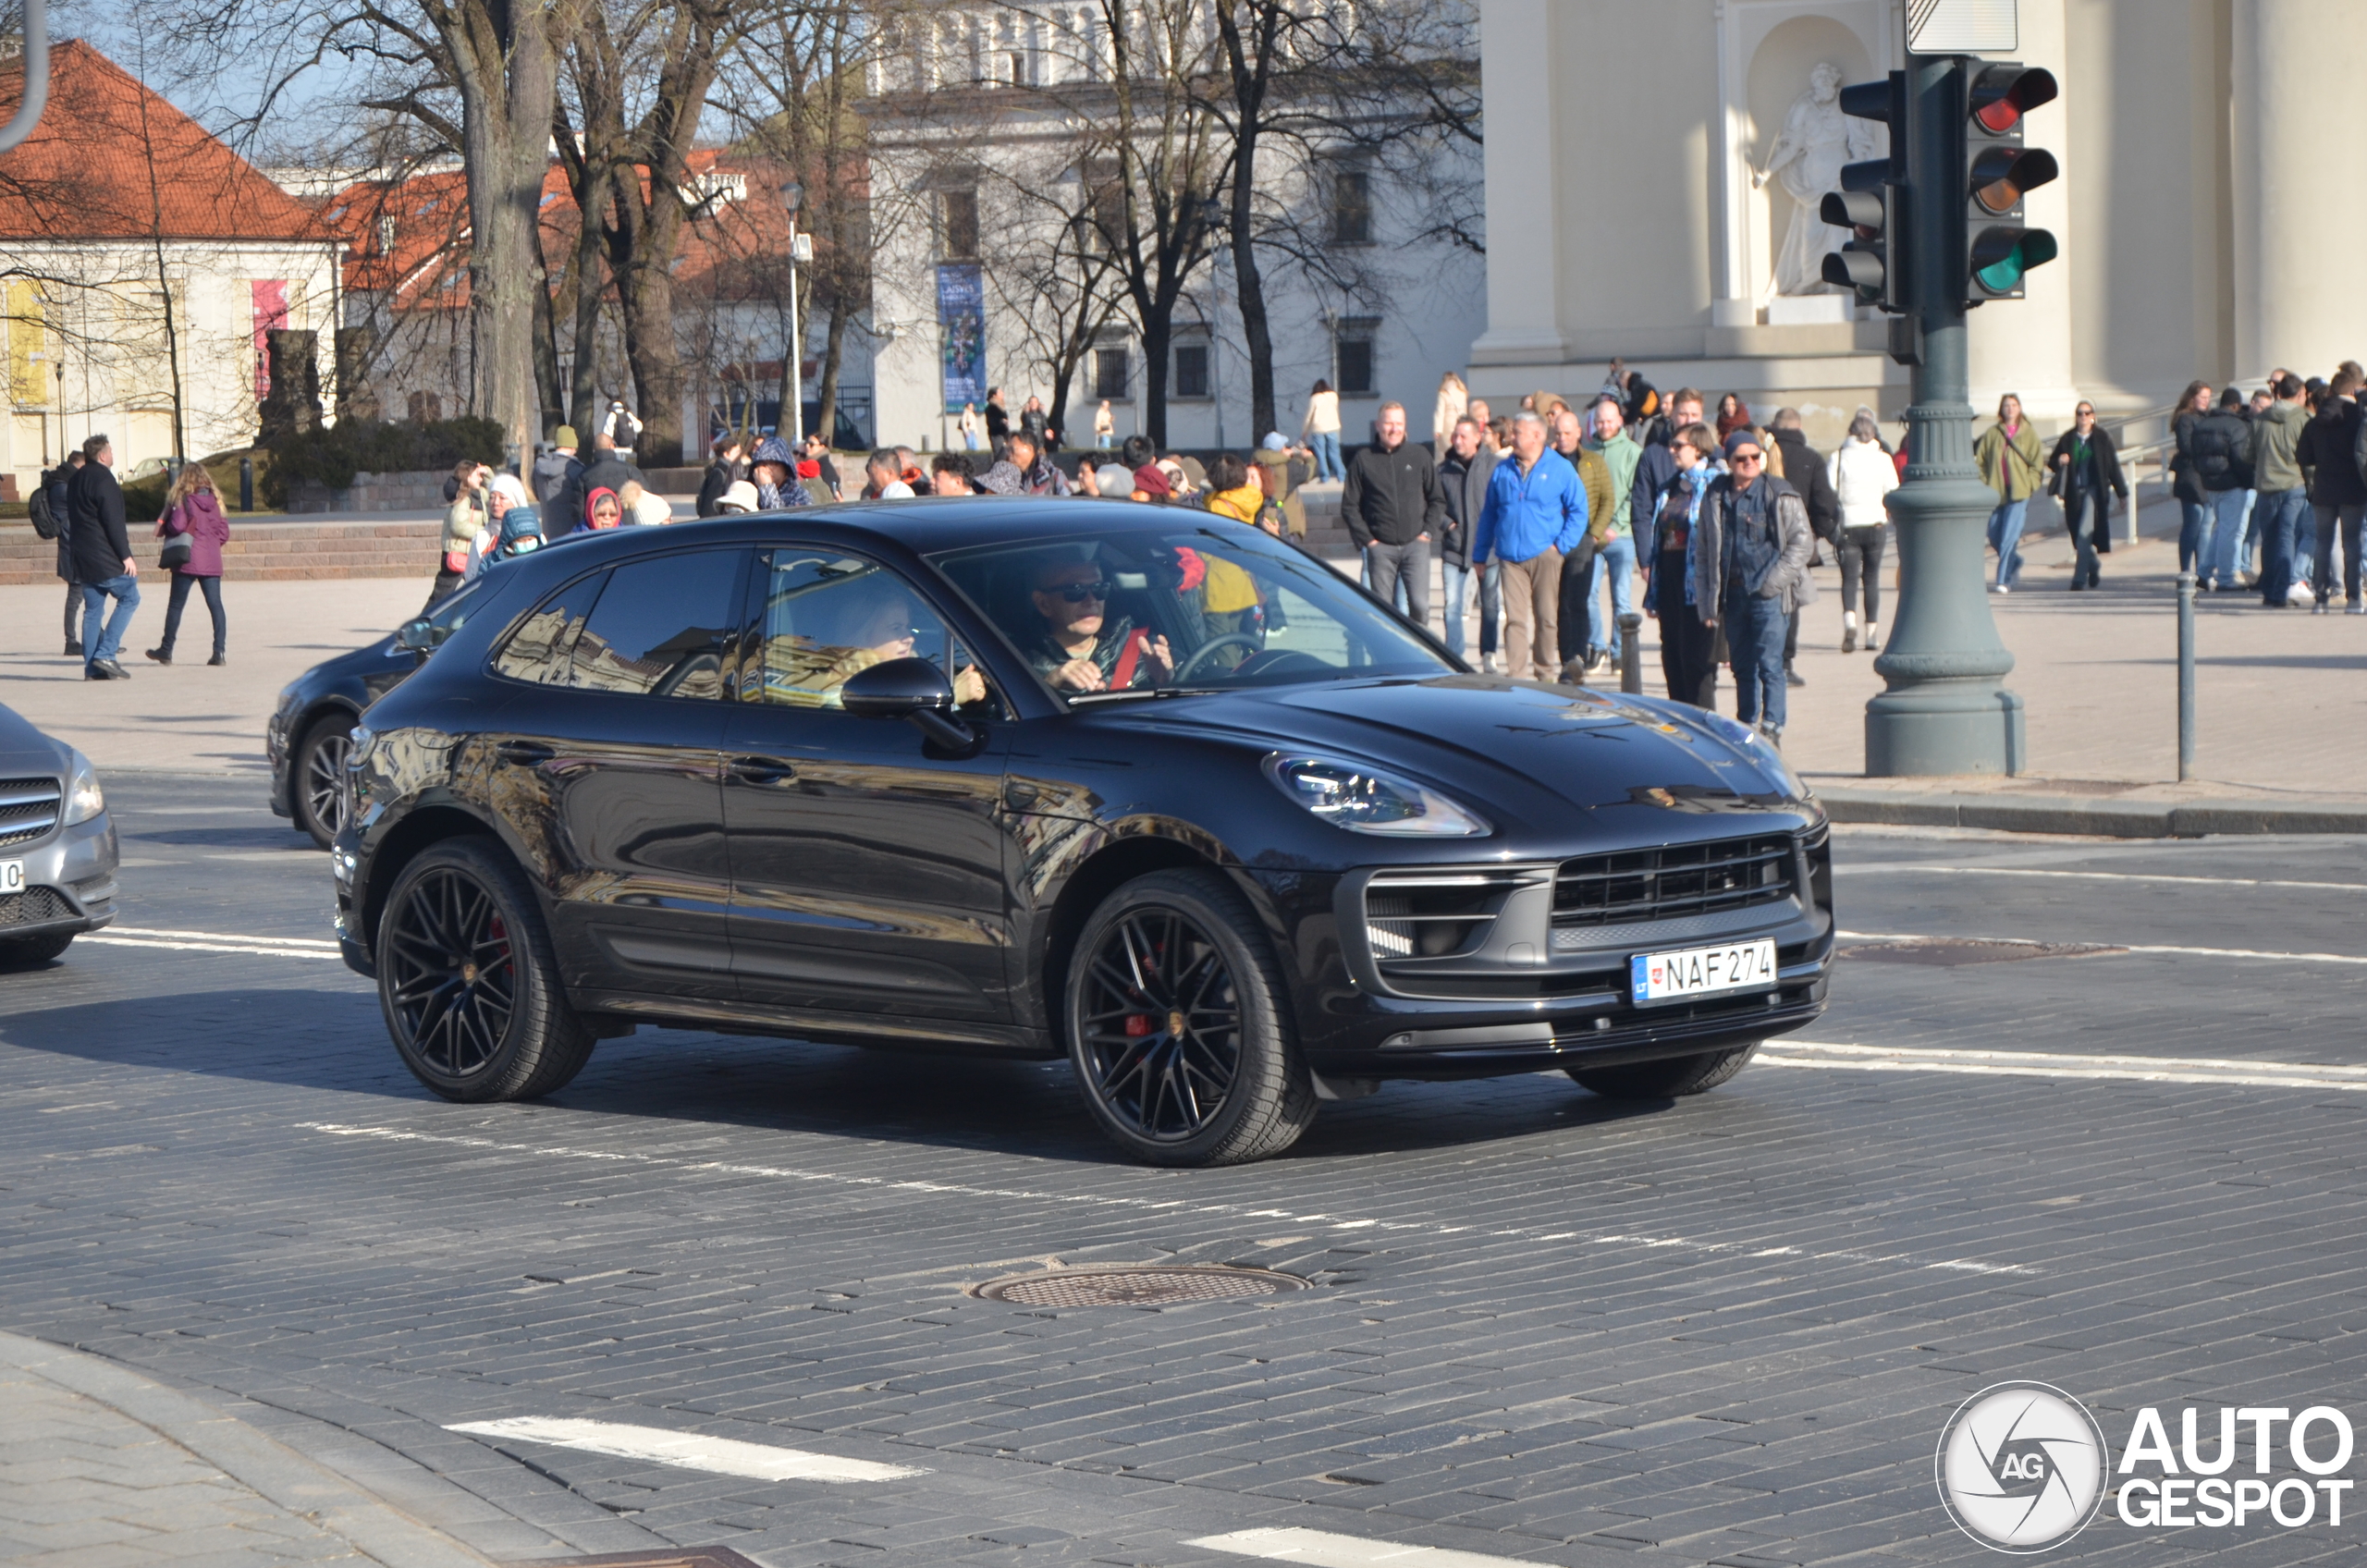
[176, 553]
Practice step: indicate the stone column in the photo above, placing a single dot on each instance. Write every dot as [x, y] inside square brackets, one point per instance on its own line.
[2295, 152]
[1517, 54]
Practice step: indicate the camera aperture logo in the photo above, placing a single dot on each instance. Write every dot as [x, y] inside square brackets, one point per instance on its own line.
[2022, 1467]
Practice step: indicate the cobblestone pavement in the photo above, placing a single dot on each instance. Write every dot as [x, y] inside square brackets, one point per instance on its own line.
[1542, 1327]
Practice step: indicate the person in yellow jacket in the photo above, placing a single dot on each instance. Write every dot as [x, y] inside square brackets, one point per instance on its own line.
[2011, 464]
[1229, 602]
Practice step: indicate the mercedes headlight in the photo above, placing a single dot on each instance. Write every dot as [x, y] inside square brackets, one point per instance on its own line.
[85, 799]
[1362, 799]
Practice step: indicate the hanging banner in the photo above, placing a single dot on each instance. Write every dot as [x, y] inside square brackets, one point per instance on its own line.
[270, 297]
[961, 330]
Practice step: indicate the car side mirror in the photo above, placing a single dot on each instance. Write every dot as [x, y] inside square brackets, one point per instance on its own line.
[417, 637]
[914, 689]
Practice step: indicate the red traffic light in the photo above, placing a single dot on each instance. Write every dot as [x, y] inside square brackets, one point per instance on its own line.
[2002, 94]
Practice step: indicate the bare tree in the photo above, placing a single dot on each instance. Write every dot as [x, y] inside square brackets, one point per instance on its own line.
[796, 104]
[481, 75]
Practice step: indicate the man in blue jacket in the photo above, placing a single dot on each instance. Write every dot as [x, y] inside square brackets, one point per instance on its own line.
[1536, 510]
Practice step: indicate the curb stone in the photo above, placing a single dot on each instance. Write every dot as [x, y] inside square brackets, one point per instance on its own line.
[279, 1474]
[2089, 816]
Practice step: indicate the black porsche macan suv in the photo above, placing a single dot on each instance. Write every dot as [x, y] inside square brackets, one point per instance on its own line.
[1138, 786]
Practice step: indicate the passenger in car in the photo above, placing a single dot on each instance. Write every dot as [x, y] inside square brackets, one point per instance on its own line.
[1078, 647]
[865, 625]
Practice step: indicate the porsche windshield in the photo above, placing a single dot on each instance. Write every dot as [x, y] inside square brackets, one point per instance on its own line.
[1164, 609]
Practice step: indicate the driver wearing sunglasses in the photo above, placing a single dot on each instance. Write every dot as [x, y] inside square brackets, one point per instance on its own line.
[1082, 649]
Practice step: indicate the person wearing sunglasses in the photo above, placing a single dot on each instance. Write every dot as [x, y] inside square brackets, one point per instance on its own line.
[1082, 649]
[1752, 546]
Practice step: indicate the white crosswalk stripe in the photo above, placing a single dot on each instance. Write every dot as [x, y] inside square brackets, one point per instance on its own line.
[1326, 1549]
[2042, 1064]
[687, 1450]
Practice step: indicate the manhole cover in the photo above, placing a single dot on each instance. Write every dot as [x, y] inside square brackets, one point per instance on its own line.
[1136, 1287]
[1951, 951]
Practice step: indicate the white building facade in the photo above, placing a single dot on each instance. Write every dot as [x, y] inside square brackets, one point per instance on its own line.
[2196, 210]
[987, 128]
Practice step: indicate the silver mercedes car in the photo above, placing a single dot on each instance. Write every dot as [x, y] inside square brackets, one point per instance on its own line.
[57, 846]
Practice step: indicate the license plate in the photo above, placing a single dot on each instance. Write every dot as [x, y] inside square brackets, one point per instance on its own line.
[12, 876]
[1703, 971]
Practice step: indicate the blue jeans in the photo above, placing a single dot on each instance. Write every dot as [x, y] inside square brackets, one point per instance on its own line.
[2006, 538]
[2227, 509]
[2345, 519]
[102, 640]
[1457, 584]
[2282, 514]
[2250, 560]
[2194, 530]
[1755, 629]
[1617, 562]
[1325, 445]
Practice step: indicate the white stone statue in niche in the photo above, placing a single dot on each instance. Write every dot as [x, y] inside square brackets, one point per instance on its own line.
[1817, 140]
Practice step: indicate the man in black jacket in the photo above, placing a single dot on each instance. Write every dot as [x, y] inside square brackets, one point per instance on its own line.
[1804, 471]
[103, 562]
[1392, 505]
[2332, 446]
[1463, 492]
[2219, 447]
[57, 489]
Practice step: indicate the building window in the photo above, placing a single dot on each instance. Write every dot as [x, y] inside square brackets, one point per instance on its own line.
[1351, 207]
[1109, 373]
[1191, 370]
[1353, 357]
[957, 213]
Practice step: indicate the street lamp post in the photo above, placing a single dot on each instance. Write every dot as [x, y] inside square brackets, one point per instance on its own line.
[792, 372]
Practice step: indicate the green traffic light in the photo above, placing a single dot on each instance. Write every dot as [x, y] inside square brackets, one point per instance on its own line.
[2031, 248]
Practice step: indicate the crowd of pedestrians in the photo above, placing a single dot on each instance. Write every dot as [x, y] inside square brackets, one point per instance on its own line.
[2269, 486]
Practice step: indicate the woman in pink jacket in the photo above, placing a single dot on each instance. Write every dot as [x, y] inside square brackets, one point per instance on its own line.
[193, 512]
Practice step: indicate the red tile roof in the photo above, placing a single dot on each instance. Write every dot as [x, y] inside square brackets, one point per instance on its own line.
[85, 173]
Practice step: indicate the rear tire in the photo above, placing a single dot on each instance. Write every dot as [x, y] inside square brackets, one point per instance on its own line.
[468, 981]
[1672, 1079]
[23, 952]
[316, 775]
[1179, 1027]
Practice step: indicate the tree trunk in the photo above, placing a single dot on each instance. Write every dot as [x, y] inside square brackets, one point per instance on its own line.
[642, 247]
[825, 418]
[583, 382]
[1158, 330]
[502, 54]
[1250, 286]
[546, 387]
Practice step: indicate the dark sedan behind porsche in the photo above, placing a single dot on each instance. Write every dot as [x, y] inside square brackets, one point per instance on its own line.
[1140, 786]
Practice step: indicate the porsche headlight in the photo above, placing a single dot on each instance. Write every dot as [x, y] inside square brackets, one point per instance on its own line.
[85, 799]
[1362, 799]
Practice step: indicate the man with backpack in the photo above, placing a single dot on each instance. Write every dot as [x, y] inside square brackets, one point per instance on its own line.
[2218, 447]
[52, 519]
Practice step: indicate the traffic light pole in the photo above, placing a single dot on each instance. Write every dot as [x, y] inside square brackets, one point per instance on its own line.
[1947, 709]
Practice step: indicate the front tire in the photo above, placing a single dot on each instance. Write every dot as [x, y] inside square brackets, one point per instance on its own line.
[468, 981]
[317, 778]
[1178, 1026]
[1672, 1079]
[23, 952]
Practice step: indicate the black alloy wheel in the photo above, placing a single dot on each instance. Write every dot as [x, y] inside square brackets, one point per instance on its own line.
[1177, 1027]
[467, 981]
[318, 776]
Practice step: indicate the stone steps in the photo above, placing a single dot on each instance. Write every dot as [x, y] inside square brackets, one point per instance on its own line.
[261, 552]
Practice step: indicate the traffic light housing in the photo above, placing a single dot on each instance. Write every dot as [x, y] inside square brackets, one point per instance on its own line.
[1998, 171]
[1871, 203]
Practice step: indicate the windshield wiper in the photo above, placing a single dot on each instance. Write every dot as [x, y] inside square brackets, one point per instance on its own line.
[1133, 692]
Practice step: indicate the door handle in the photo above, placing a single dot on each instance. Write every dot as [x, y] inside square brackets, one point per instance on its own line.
[522, 753]
[761, 770]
